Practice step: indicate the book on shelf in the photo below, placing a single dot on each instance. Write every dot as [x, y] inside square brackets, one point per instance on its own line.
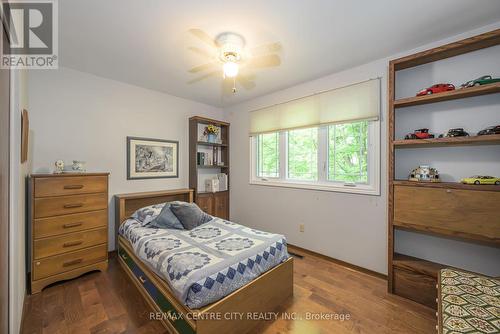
[222, 177]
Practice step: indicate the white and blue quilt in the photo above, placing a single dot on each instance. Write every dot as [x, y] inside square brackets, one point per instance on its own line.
[206, 263]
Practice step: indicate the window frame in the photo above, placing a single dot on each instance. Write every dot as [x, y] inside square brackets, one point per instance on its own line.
[372, 187]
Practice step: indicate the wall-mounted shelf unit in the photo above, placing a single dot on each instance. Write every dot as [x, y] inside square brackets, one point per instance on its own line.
[449, 210]
[216, 204]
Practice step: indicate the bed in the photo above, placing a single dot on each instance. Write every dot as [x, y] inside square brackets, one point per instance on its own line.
[231, 307]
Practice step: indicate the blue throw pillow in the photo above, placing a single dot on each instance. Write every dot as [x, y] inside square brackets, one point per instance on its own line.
[166, 219]
[189, 214]
[147, 214]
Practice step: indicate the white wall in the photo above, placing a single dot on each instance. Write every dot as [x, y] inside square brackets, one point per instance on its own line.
[17, 267]
[352, 228]
[75, 115]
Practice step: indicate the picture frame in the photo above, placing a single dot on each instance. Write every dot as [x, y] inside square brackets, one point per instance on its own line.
[25, 130]
[149, 158]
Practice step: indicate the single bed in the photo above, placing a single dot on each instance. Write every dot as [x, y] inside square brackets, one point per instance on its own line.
[254, 284]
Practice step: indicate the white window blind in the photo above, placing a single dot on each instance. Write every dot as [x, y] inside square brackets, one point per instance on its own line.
[359, 101]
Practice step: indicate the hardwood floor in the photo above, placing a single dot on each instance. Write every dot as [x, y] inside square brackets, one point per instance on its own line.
[109, 303]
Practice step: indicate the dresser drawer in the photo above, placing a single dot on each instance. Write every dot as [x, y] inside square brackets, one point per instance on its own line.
[65, 262]
[48, 227]
[68, 242]
[54, 206]
[415, 286]
[70, 185]
[461, 213]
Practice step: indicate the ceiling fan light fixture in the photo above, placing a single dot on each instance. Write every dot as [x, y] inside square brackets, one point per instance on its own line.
[230, 69]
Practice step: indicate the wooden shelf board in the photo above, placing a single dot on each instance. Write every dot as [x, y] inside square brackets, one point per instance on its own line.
[210, 166]
[417, 265]
[441, 232]
[204, 120]
[448, 141]
[456, 94]
[210, 192]
[447, 185]
[204, 143]
[474, 43]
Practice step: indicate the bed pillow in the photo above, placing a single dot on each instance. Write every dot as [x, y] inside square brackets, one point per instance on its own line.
[189, 214]
[166, 219]
[147, 214]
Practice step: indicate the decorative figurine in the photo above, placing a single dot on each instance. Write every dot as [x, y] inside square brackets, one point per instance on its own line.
[424, 174]
[491, 130]
[481, 179]
[456, 132]
[438, 88]
[78, 166]
[419, 134]
[59, 166]
[484, 80]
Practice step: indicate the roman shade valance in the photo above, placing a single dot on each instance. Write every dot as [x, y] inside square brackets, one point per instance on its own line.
[359, 101]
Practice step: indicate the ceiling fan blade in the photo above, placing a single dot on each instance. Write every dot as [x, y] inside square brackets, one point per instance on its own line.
[204, 67]
[203, 77]
[266, 48]
[201, 52]
[264, 61]
[203, 36]
[245, 82]
[227, 85]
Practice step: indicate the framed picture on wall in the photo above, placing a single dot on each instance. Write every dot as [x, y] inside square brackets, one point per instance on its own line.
[152, 158]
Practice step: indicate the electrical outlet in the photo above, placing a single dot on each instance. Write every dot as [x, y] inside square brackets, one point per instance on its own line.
[301, 227]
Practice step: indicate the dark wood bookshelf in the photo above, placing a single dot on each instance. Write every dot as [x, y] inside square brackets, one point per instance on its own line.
[214, 203]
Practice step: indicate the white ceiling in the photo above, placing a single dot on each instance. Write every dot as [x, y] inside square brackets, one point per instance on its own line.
[144, 42]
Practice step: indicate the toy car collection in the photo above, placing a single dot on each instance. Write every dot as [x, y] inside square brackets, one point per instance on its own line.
[457, 132]
[492, 130]
[484, 80]
[419, 134]
[481, 179]
[424, 174]
[438, 88]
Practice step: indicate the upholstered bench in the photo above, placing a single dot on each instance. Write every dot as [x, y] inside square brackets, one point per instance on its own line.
[467, 303]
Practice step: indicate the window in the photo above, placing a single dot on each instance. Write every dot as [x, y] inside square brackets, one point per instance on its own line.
[268, 155]
[302, 154]
[348, 152]
[341, 157]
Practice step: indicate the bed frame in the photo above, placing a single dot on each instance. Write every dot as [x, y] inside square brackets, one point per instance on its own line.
[231, 314]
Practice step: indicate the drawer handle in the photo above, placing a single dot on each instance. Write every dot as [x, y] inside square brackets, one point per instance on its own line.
[70, 225]
[142, 279]
[72, 262]
[74, 186]
[74, 205]
[72, 243]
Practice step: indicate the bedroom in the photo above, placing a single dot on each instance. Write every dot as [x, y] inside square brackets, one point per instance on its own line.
[285, 124]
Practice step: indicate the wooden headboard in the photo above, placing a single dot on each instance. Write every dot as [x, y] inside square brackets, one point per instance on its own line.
[127, 204]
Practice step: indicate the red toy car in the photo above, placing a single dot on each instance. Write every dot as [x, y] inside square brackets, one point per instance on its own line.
[439, 88]
[419, 134]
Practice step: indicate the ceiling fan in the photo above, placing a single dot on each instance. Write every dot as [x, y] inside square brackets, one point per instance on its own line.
[228, 56]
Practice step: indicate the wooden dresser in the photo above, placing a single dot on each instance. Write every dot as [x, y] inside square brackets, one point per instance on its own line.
[68, 226]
